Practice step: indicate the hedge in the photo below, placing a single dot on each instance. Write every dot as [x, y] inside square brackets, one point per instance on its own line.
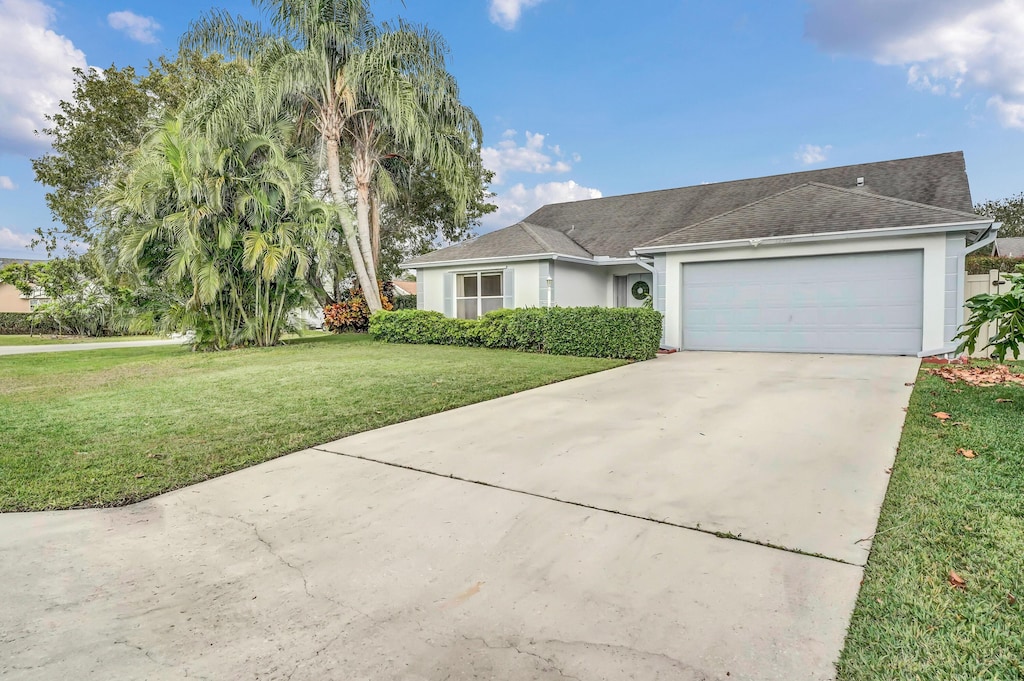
[19, 323]
[621, 333]
[404, 302]
[982, 264]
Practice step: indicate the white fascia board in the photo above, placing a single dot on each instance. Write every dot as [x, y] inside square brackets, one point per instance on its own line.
[821, 236]
[986, 241]
[506, 258]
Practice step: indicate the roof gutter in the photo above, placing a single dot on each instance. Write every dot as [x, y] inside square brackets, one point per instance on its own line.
[821, 236]
[599, 261]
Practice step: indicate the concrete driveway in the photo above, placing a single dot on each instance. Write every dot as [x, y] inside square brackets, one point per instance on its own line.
[565, 532]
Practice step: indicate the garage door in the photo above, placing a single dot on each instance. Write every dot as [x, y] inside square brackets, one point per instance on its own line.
[857, 304]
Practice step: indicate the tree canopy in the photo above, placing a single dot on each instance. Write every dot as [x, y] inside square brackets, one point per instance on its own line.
[1009, 211]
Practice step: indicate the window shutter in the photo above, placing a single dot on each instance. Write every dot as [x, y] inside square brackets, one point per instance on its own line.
[449, 294]
[508, 287]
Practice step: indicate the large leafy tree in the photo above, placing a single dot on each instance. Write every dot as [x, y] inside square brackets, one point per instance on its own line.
[371, 94]
[97, 128]
[1009, 211]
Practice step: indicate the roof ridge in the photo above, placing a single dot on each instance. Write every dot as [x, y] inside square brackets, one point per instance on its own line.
[893, 199]
[854, 192]
[763, 177]
[529, 229]
[532, 230]
[730, 212]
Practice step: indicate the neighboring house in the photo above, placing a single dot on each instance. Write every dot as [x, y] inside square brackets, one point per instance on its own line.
[859, 259]
[13, 300]
[404, 288]
[1010, 247]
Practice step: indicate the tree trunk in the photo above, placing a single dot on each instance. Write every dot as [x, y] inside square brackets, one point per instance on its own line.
[375, 227]
[358, 258]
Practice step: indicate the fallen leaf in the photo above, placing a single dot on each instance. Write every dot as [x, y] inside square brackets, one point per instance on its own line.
[960, 423]
[966, 453]
[1011, 599]
[941, 415]
[905, 409]
[888, 471]
[983, 376]
[1002, 400]
[139, 475]
[909, 385]
[154, 456]
[968, 528]
[956, 581]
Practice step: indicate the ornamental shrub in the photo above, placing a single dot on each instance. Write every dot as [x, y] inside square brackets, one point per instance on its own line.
[21, 323]
[622, 333]
[351, 313]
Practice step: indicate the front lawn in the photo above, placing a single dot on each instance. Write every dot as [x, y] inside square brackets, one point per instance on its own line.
[946, 512]
[108, 427]
[46, 339]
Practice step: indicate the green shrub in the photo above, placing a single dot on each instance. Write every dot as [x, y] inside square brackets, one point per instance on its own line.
[622, 333]
[618, 332]
[404, 302]
[19, 323]
[982, 264]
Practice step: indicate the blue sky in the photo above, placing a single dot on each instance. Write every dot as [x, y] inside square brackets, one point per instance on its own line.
[581, 98]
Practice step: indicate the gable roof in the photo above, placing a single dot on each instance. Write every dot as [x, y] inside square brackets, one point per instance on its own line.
[614, 225]
[812, 208]
[1010, 247]
[520, 239]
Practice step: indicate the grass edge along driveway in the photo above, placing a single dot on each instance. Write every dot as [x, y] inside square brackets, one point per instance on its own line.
[942, 512]
[111, 427]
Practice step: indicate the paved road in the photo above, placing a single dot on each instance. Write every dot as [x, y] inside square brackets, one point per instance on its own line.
[75, 347]
[566, 546]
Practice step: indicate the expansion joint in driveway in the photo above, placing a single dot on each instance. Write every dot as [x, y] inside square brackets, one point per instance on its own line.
[682, 526]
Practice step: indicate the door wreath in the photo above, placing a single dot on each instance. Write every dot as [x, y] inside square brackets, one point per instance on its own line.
[641, 290]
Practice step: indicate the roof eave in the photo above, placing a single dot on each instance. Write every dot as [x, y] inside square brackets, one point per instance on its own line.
[498, 259]
[819, 236]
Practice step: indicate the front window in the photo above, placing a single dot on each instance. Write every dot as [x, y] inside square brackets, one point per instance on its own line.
[477, 293]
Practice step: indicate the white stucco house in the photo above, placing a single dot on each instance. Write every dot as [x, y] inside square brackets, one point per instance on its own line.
[861, 259]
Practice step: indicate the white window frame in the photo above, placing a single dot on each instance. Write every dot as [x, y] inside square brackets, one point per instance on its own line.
[479, 297]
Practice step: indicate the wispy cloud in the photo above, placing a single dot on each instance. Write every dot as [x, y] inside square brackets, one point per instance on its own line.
[506, 13]
[7, 183]
[946, 47]
[518, 201]
[11, 239]
[139, 28]
[809, 154]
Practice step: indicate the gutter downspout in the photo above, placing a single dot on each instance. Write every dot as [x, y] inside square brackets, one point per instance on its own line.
[987, 238]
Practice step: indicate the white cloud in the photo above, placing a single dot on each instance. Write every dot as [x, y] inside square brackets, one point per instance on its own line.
[518, 201]
[11, 239]
[809, 154]
[139, 28]
[506, 13]
[35, 72]
[7, 183]
[946, 47]
[533, 157]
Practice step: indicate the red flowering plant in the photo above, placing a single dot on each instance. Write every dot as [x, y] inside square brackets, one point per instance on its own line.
[351, 313]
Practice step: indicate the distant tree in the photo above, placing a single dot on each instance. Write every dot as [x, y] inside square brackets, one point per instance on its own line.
[95, 131]
[1009, 211]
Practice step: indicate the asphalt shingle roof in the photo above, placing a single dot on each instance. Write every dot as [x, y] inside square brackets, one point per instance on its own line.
[519, 239]
[1010, 247]
[812, 208]
[614, 225]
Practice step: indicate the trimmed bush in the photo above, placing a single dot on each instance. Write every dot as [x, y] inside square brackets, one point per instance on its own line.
[20, 323]
[982, 264]
[404, 302]
[621, 333]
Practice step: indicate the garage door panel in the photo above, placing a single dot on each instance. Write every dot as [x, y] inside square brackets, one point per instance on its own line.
[860, 303]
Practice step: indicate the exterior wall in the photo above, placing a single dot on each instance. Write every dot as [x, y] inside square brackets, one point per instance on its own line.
[581, 285]
[935, 297]
[11, 300]
[430, 283]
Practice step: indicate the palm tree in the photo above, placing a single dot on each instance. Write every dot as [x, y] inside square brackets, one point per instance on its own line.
[369, 92]
[229, 222]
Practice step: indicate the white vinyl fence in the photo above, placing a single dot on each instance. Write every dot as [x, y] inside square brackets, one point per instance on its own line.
[975, 284]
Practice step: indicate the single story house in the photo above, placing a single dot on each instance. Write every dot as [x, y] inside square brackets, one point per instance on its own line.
[860, 259]
[404, 288]
[1010, 247]
[13, 300]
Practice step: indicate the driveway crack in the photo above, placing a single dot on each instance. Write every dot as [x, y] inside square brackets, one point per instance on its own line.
[693, 528]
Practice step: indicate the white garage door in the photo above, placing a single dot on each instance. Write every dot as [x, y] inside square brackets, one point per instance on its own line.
[859, 304]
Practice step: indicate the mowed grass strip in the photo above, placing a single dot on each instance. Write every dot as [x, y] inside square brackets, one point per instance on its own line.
[946, 512]
[109, 427]
[8, 340]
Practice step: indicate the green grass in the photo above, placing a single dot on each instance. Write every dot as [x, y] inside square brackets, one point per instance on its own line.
[109, 427]
[6, 340]
[943, 512]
